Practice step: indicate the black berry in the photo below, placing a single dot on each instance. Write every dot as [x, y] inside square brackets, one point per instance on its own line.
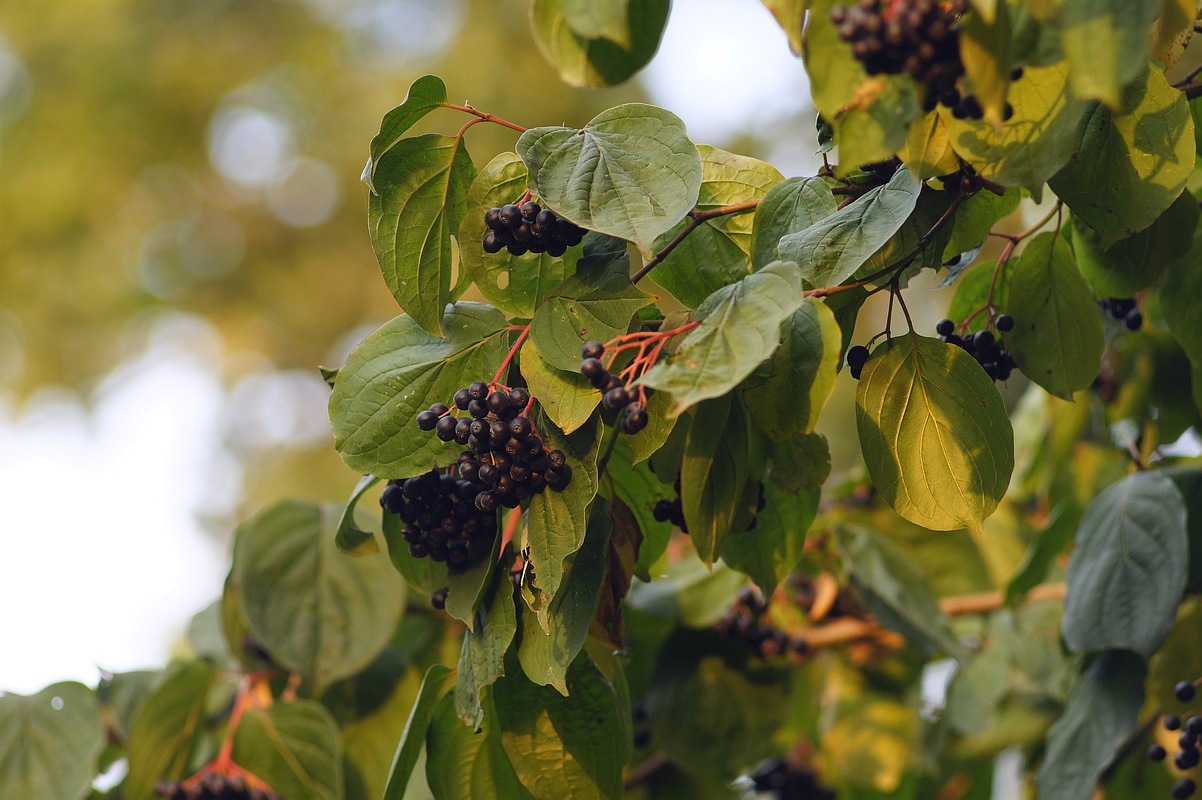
[1004, 323]
[427, 420]
[1184, 691]
[592, 350]
[1183, 788]
[945, 327]
[634, 420]
[1156, 752]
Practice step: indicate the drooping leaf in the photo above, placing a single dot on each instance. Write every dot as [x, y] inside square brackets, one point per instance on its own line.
[571, 746]
[773, 548]
[567, 397]
[598, 177]
[466, 588]
[1128, 168]
[1189, 483]
[434, 685]
[1106, 42]
[873, 125]
[399, 370]
[935, 435]
[557, 521]
[120, 694]
[514, 284]
[973, 292]
[928, 149]
[369, 740]
[167, 729]
[718, 252]
[789, 15]
[425, 94]
[835, 74]
[639, 490]
[599, 19]
[482, 657]
[294, 747]
[1102, 711]
[315, 610]
[1127, 573]
[49, 742]
[832, 249]
[465, 764]
[660, 425]
[740, 327]
[350, 538]
[986, 50]
[801, 462]
[790, 206]
[714, 473]
[1026, 154]
[598, 62]
[1057, 338]
[787, 396]
[421, 196]
[546, 656]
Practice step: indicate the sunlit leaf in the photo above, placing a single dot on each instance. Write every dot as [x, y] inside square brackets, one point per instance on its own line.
[598, 62]
[425, 94]
[790, 206]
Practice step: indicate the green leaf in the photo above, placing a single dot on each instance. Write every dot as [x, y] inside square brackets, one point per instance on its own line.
[49, 743]
[660, 425]
[892, 587]
[1049, 543]
[790, 206]
[801, 462]
[831, 250]
[1178, 298]
[638, 489]
[467, 587]
[434, 686]
[598, 62]
[789, 15]
[514, 284]
[567, 396]
[598, 176]
[1181, 654]
[571, 746]
[1102, 711]
[1106, 42]
[1136, 263]
[1057, 338]
[294, 747]
[1189, 483]
[595, 304]
[787, 396]
[546, 656]
[718, 252]
[315, 610]
[350, 538]
[740, 327]
[1030, 153]
[714, 473]
[422, 185]
[482, 657]
[464, 764]
[834, 72]
[874, 124]
[400, 370]
[935, 435]
[425, 94]
[972, 293]
[599, 19]
[1127, 573]
[928, 151]
[167, 729]
[773, 548]
[976, 218]
[1128, 168]
[688, 592]
[121, 694]
[369, 739]
[977, 688]
[556, 522]
[986, 49]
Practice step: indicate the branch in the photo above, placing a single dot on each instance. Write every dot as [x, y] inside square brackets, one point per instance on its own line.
[696, 218]
[644, 770]
[1192, 89]
[484, 117]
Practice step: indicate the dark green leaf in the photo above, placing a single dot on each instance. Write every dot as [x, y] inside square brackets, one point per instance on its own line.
[972, 293]
[422, 186]
[639, 490]
[801, 462]
[482, 658]
[833, 249]
[463, 764]
[1057, 337]
[167, 729]
[434, 686]
[315, 610]
[976, 218]
[294, 747]
[597, 176]
[740, 327]
[598, 62]
[1101, 712]
[689, 592]
[49, 743]
[400, 370]
[772, 549]
[977, 688]
[350, 538]
[1178, 298]
[935, 435]
[789, 207]
[425, 94]
[660, 425]
[1128, 168]
[718, 252]
[1129, 568]
[121, 694]
[1189, 483]
[467, 588]
[834, 72]
[714, 473]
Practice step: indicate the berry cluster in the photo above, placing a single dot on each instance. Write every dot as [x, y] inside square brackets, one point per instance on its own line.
[918, 37]
[671, 510]
[506, 459]
[790, 782]
[441, 517]
[986, 348]
[529, 228]
[1124, 310]
[742, 621]
[615, 394]
[212, 786]
[1188, 756]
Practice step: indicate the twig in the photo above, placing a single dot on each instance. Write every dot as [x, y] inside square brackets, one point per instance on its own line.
[484, 117]
[644, 770]
[696, 218]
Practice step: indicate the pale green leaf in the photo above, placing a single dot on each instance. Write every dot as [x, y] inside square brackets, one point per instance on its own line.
[168, 729]
[1106, 42]
[599, 19]
[986, 50]
[1179, 298]
[790, 206]
[294, 747]
[597, 62]
[434, 685]
[350, 538]
[49, 743]
[463, 763]
[873, 125]
[789, 15]
[567, 396]
[771, 550]
[928, 151]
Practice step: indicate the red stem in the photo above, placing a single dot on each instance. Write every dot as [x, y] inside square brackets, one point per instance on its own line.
[483, 117]
[512, 352]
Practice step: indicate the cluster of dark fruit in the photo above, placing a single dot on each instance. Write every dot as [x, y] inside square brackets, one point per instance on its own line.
[213, 787]
[638, 715]
[671, 510]
[790, 782]
[1124, 310]
[615, 395]
[983, 346]
[963, 180]
[529, 228]
[1191, 735]
[742, 621]
[441, 518]
[505, 454]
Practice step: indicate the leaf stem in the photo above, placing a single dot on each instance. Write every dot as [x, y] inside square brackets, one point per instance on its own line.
[696, 218]
[525, 331]
[483, 117]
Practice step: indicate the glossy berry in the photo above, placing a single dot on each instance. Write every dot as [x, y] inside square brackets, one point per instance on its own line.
[462, 398]
[1016, 73]
[530, 210]
[1186, 759]
[1172, 722]
[426, 420]
[510, 216]
[498, 402]
[592, 350]
[493, 243]
[616, 398]
[1004, 323]
[445, 428]
[519, 398]
[492, 219]
[1184, 691]
[634, 420]
[1183, 788]
[592, 368]
[945, 327]
[1134, 320]
[1157, 753]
